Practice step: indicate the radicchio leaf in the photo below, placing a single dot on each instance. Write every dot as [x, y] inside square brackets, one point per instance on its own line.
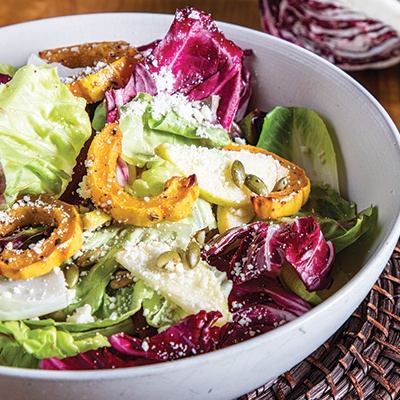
[4, 78]
[203, 63]
[258, 306]
[141, 81]
[195, 334]
[261, 248]
[340, 34]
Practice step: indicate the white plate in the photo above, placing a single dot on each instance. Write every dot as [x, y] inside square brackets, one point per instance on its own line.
[368, 149]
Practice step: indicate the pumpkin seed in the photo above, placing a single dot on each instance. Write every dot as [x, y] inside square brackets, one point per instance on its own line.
[168, 259]
[281, 184]
[121, 279]
[256, 185]
[71, 275]
[238, 173]
[192, 254]
[89, 258]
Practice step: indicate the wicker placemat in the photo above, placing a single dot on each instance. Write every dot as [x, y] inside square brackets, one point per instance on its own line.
[360, 361]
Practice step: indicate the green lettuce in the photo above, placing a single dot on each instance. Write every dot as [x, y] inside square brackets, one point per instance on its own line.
[21, 345]
[144, 128]
[7, 69]
[301, 136]
[152, 180]
[43, 128]
[338, 218]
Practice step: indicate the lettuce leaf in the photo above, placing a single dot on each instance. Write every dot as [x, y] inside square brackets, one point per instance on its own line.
[301, 136]
[7, 71]
[43, 128]
[338, 218]
[148, 121]
[19, 340]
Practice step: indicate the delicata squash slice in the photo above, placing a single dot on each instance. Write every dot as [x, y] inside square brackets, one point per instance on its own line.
[280, 202]
[119, 59]
[94, 86]
[42, 257]
[173, 204]
[88, 54]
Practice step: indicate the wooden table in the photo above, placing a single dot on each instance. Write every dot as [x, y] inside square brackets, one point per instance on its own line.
[383, 84]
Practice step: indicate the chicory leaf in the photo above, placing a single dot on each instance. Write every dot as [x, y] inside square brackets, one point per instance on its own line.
[141, 81]
[195, 334]
[200, 62]
[259, 248]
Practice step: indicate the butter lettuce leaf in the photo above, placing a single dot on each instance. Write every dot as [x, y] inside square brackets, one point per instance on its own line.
[148, 121]
[43, 127]
[301, 136]
[21, 343]
[7, 69]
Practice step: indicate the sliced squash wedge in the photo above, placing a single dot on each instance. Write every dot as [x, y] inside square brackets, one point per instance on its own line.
[173, 204]
[64, 241]
[279, 203]
[94, 86]
[88, 54]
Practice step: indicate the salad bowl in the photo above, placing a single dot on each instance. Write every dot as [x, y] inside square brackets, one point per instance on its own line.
[368, 151]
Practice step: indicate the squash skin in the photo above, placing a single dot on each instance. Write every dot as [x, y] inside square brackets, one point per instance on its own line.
[173, 204]
[282, 203]
[64, 241]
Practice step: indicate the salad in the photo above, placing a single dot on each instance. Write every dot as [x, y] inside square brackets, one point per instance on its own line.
[147, 213]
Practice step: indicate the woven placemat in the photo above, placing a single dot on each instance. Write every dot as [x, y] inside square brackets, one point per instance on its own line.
[360, 361]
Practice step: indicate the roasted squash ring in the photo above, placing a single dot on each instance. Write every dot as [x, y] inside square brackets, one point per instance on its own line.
[285, 202]
[64, 241]
[173, 204]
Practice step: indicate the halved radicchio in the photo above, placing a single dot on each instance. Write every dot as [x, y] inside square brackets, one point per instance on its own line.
[348, 34]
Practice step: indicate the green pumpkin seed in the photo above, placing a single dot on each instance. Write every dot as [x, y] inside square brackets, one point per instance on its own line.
[256, 185]
[169, 259]
[71, 275]
[238, 173]
[121, 279]
[281, 184]
[89, 258]
[192, 254]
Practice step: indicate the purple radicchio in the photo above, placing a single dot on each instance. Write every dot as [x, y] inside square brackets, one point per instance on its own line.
[4, 78]
[258, 306]
[196, 60]
[353, 37]
[195, 334]
[141, 81]
[203, 62]
[261, 248]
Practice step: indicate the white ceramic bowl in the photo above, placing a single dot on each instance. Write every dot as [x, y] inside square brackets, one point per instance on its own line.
[369, 156]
